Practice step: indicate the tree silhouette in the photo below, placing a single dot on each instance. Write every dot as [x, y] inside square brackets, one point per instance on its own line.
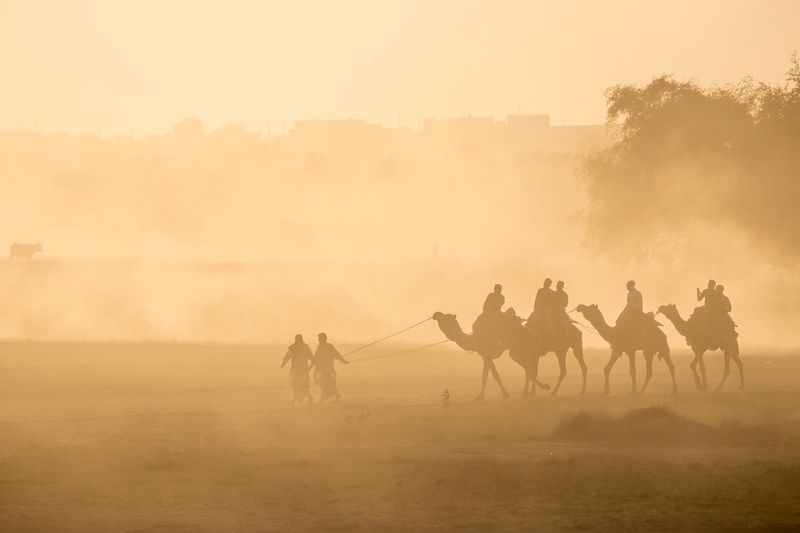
[687, 157]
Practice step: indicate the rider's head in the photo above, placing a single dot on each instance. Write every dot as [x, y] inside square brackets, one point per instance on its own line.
[559, 285]
[711, 284]
[322, 337]
[298, 338]
[720, 289]
[630, 285]
[547, 283]
[498, 288]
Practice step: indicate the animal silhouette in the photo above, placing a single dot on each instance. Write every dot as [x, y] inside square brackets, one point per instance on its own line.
[513, 337]
[701, 336]
[651, 341]
[24, 251]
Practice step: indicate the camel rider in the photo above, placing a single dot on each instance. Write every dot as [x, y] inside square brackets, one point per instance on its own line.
[545, 296]
[709, 296]
[544, 307]
[487, 323]
[633, 313]
[495, 300]
[634, 300]
[724, 302]
[561, 298]
[561, 301]
[725, 308]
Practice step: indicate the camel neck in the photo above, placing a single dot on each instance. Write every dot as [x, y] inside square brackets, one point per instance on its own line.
[599, 323]
[678, 322]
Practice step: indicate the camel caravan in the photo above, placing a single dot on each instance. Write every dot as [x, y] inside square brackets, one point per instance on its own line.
[549, 328]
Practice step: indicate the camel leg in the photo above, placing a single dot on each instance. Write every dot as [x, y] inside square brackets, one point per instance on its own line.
[632, 366]
[562, 371]
[698, 379]
[541, 385]
[529, 383]
[496, 377]
[577, 351]
[534, 374]
[702, 366]
[693, 366]
[740, 365]
[668, 361]
[614, 356]
[484, 379]
[725, 371]
[648, 363]
[525, 364]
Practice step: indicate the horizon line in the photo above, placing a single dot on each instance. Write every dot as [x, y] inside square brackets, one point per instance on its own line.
[290, 125]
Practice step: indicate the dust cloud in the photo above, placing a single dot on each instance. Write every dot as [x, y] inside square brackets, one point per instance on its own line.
[232, 236]
[341, 226]
[187, 186]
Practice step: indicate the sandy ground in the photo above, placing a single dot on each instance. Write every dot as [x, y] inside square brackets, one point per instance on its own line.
[195, 438]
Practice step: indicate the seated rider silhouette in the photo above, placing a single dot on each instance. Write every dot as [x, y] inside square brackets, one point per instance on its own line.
[495, 300]
[715, 309]
[710, 299]
[560, 317]
[543, 308]
[632, 317]
[487, 322]
[725, 307]
[724, 301]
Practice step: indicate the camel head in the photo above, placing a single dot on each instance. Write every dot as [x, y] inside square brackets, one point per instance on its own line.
[452, 329]
[447, 322]
[669, 310]
[439, 317]
[589, 312]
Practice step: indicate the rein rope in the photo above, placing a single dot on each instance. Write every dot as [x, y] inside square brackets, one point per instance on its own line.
[583, 326]
[412, 326]
[399, 352]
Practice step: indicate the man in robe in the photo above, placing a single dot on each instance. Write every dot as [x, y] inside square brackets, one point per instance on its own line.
[300, 356]
[486, 326]
[544, 307]
[324, 373]
[633, 313]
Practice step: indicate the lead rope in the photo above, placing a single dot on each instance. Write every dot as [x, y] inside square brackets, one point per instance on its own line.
[387, 337]
[587, 328]
[399, 352]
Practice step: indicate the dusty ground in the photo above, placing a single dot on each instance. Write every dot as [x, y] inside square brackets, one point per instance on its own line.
[163, 437]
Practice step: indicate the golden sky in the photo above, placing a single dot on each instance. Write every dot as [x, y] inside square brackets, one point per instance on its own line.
[141, 66]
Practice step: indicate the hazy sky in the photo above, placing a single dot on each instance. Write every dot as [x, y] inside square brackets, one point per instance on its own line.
[141, 66]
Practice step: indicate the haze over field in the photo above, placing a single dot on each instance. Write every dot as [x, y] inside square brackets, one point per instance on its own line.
[251, 222]
[186, 186]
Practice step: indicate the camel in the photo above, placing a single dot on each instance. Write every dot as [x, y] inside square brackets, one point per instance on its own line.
[516, 339]
[559, 345]
[700, 339]
[622, 342]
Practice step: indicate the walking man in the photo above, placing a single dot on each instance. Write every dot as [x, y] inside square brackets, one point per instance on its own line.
[324, 373]
[300, 356]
